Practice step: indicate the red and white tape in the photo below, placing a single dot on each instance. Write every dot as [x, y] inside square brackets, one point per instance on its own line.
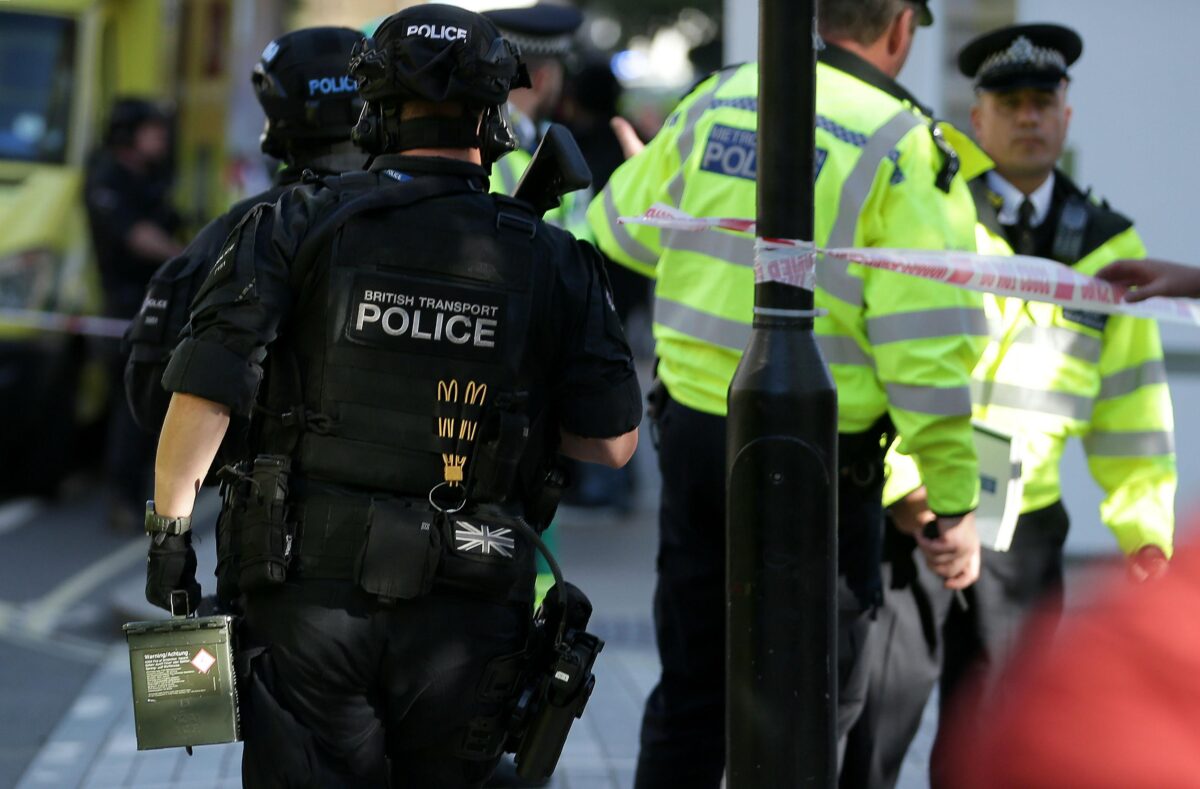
[1034, 279]
[89, 325]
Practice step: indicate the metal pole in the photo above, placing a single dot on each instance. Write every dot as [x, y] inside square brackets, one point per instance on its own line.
[782, 462]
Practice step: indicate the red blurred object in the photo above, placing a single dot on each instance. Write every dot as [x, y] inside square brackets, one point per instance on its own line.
[1148, 564]
[1112, 701]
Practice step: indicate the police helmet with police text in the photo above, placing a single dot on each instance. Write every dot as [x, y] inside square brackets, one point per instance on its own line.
[302, 83]
[438, 54]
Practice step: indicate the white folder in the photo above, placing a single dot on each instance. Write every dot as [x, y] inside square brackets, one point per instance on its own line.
[1000, 487]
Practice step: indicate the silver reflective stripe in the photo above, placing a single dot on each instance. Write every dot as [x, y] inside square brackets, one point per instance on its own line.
[1042, 401]
[508, 178]
[954, 401]
[1143, 444]
[722, 246]
[687, 138]
[1063, 340]
[712, 329]
[840, 349]
[1129, 381]
[833, 277]
[628, 244]
[946, 322]
[857, 187]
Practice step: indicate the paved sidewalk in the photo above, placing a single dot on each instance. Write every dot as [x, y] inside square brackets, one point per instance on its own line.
[94, 747]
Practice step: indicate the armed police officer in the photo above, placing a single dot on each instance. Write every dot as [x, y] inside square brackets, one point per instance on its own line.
[428, 346]
[311, 104]
[901, 350]
[1050, 373]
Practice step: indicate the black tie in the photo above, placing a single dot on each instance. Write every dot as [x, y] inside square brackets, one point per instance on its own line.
[1026, 244]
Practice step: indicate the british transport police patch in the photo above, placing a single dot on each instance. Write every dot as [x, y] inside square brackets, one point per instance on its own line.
[414, 316]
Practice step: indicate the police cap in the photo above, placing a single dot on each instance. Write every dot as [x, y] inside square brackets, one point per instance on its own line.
[303, 85]
[438, 53]
[924, 15]
[1021, 56]
[541, 30]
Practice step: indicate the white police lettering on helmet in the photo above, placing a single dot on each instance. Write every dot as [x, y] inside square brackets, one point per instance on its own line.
[437, 32]
[327, 85]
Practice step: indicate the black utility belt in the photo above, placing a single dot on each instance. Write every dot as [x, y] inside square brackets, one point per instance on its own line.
[397, 548]
[402, 548]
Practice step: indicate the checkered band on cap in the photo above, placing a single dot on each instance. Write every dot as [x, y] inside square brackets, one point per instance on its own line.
[544, 46]
[1022, 53]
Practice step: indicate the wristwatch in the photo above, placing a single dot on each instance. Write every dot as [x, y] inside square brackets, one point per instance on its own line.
[161, 524]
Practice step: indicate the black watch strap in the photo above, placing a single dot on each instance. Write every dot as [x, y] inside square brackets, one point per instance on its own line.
[161, 524]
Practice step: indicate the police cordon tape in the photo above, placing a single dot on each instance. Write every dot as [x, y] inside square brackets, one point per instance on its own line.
[1034, 279]
[88, 325]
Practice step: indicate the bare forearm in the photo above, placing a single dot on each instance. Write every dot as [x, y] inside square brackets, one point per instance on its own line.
[191, 435]
[149, 241]
[614, 452]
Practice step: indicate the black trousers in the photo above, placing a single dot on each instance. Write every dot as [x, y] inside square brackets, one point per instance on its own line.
[683, 727]
[349, 693]
[924, 637]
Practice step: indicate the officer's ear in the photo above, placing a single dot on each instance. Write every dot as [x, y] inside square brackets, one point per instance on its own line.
[901, 32]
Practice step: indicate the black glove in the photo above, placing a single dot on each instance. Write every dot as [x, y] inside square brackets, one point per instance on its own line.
[170, 566]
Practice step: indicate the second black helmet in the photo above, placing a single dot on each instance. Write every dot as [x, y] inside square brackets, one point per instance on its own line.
[306, 92]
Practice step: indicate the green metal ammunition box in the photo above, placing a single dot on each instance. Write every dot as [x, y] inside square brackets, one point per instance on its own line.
[184, 688]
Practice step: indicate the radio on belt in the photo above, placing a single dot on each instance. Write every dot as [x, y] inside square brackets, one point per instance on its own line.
[184, 688]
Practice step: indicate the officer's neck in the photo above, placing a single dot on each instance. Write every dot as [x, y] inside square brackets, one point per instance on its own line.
[470, 155]
[875, 53]
[1025, 182]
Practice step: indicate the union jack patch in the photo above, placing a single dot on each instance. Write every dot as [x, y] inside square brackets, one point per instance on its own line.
[483, 540]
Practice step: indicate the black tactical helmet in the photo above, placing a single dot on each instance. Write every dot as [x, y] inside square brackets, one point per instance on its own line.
[440, 54]
[301, 81]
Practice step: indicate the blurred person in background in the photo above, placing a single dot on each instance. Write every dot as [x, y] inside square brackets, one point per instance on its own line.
[1049, 374]
[133, 226]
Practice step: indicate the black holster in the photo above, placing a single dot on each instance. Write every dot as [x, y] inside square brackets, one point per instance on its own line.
[259, 523]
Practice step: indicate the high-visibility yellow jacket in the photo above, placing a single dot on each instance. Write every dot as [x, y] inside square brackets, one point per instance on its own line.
[1051, 373]
[896, 345]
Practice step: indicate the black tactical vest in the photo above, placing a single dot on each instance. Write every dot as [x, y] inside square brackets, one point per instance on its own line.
[411, 345]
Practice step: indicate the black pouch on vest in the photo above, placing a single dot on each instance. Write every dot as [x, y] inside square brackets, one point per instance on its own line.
[264, 537]
[400, 557]
[486, 556]
[497, 456]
